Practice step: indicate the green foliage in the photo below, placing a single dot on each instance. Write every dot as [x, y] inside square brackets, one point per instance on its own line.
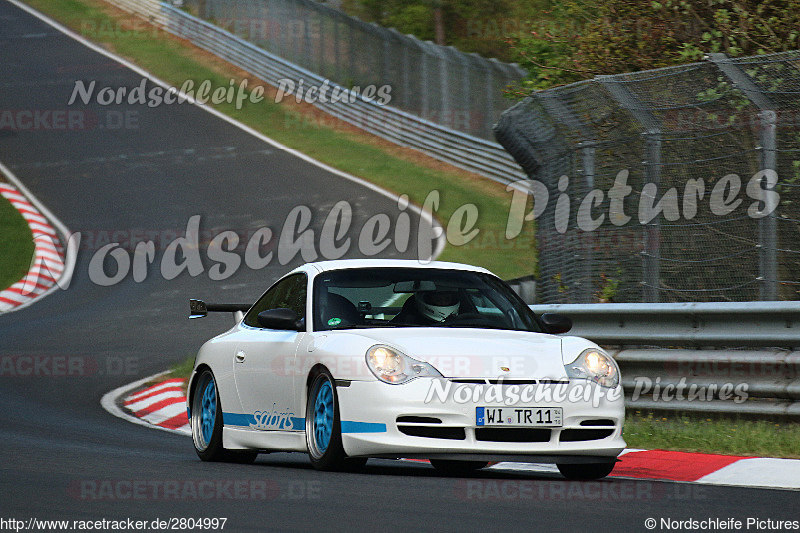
[480, 26]
[414, 19]
[615, 36]
[564, 41]
[562, 288]
[609, 287]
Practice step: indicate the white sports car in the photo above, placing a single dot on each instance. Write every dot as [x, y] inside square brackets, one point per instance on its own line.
[352, 359]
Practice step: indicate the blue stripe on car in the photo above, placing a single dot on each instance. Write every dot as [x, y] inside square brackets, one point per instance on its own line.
[299, 424]
[362, 427]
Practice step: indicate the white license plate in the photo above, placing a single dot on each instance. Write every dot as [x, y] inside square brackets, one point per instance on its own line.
[519, 416]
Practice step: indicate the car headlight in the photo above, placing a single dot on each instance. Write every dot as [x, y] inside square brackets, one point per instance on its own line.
[595, 365]
[393, 366]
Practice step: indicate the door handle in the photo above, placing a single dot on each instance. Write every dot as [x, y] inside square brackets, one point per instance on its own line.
[240, 355]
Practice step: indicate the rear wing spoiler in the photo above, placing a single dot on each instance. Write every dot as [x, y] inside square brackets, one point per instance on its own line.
[199, 309]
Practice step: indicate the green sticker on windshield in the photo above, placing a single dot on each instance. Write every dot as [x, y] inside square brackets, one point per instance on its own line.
[334, 321]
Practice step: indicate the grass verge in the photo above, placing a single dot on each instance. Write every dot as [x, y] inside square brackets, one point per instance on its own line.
[306, 129]
[687, 433]
[182, 369]
[17, 249]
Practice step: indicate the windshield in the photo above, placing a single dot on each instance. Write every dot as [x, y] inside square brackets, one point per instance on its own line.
[417, 297]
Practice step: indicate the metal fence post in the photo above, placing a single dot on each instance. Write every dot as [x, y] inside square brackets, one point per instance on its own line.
[587, 169]
[444, 83]
[337, 74]
[489, 93]
[558, 111]
[767, 226]
[422, 85]
[306, 37]
[652, 243]
[651, 267]
[405, 74]
[387, 54]
[466, 104]
[285, 29]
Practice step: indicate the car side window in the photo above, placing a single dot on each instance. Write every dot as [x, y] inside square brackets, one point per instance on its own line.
[289, 293]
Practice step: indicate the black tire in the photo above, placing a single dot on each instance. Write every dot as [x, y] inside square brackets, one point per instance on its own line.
[324, 427]
[585, 472]
[457, 468]
[206, 424]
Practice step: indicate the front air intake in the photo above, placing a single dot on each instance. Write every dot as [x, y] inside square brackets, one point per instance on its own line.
[512, 434]
[578, 435]
[450, 433]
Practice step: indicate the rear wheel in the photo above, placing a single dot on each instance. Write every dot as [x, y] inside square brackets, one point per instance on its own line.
[457, 468]
[324, 427]
[206, 424]
[585, 471]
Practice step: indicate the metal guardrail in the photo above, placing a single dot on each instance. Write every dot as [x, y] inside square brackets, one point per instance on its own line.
[707, 324]
[457, 90]
[525, 287]
[699, 353]
[465, 151]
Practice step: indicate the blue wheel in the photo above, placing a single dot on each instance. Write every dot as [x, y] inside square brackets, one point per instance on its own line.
[206, 424]
[323, 427]
[208, 413]
[323, 417]
[204, 415]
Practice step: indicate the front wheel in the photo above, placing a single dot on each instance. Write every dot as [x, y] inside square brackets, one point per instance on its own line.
[324, 427]
[585, 471]
[206, 424]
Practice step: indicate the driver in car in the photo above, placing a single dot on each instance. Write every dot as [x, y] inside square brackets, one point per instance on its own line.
[429, 307]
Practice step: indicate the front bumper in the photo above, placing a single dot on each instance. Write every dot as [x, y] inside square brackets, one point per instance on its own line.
[590, 428]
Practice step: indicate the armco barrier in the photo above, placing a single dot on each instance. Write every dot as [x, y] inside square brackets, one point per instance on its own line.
[459, 149]
[697, 349]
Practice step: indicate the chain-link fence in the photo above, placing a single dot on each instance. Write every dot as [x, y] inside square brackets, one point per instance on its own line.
[702, 220]
[460, 91]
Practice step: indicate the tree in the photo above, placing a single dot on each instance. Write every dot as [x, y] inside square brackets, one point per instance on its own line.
[585, 39]
[469, 25]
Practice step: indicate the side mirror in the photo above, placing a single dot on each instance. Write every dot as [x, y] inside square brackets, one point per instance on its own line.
[280, 318]
[556, 323]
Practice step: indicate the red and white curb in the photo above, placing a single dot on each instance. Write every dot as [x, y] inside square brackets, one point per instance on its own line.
[154, 404]
[50, 263]
[163, 406]
[48, 256]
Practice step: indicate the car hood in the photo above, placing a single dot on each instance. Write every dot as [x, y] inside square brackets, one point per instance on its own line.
[478, 353]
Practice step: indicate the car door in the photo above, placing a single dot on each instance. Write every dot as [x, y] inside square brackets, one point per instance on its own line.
[264, 359]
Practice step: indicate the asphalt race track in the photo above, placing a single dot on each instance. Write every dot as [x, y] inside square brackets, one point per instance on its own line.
[63, 457]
